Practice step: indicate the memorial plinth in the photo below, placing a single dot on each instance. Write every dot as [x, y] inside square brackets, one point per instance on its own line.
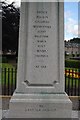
[40, 77]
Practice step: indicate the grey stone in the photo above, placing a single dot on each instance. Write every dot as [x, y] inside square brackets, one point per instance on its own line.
[41, 71]
[40, 78]
[40, 106]
[75, 115]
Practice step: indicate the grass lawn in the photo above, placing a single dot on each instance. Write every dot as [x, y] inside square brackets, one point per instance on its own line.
[6, 65]
[67, 68]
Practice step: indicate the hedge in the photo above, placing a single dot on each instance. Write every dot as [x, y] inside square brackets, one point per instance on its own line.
[3, 60]
[72, 63]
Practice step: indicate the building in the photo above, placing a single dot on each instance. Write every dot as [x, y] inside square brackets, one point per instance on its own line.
[72, 48]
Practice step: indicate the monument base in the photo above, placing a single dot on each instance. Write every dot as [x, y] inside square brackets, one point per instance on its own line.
[40, 106]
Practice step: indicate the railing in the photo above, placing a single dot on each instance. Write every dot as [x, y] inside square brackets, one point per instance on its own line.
[72, 81]
[8, 80]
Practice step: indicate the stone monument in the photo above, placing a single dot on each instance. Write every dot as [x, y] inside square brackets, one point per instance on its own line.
[40, 77]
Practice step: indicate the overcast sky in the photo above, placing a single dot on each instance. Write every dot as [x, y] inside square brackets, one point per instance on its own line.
[70, 18]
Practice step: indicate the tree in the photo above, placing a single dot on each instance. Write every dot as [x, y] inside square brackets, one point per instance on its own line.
[75, 40]
[10, 27]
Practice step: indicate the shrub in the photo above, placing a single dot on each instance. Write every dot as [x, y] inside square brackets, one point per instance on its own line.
[72, 63]
[78, 55]
[4, 60]
[73, 55]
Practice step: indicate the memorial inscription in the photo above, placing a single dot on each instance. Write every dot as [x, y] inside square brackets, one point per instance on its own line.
[40, 108]
[41, 35]
[40, 39]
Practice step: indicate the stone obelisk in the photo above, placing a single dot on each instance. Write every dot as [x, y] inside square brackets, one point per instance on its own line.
[40, 76]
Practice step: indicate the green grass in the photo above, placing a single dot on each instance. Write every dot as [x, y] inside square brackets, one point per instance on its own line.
[6, 65]
[68, 68]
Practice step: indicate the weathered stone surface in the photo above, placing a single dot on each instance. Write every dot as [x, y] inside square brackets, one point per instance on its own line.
[40, 78]
[41, 60]
[40, 106]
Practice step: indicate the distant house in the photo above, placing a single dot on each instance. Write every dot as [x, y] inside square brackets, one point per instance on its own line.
[72, 48]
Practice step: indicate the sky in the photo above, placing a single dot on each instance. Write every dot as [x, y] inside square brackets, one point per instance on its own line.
[70, 18]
